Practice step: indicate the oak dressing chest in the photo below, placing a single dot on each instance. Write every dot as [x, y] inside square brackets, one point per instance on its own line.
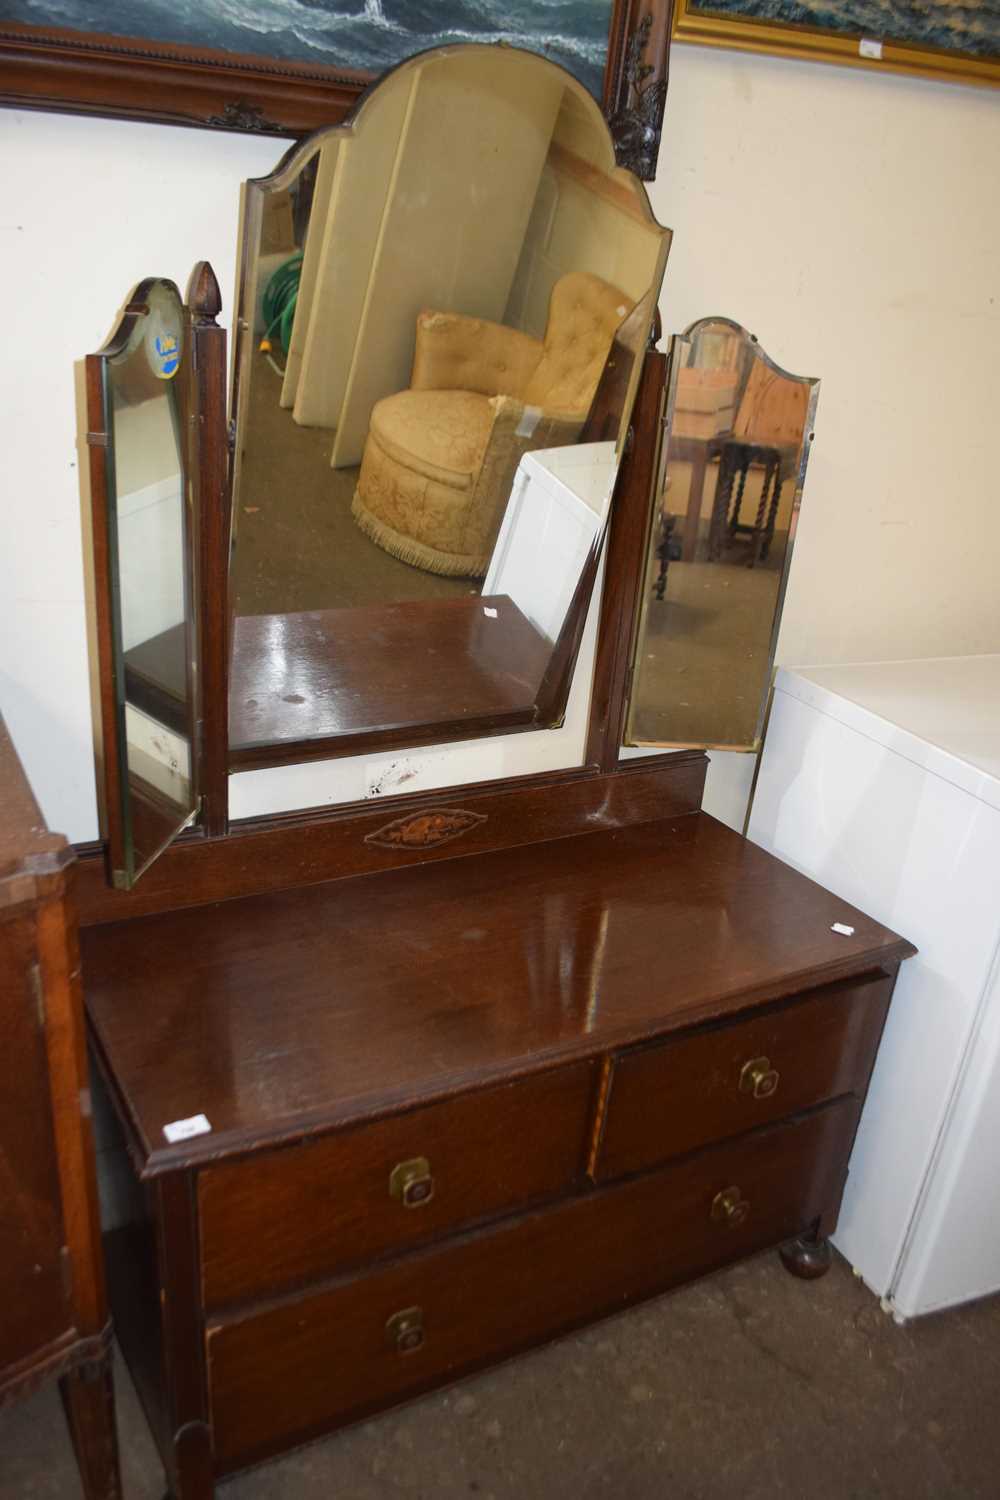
[464, 1105]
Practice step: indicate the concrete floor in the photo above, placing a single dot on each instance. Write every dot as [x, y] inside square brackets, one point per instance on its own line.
[749, 1384]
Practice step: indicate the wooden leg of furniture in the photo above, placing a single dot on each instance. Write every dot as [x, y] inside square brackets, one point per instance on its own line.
[194, 1478]
[667, 523]
[190, 1465]
[809, 1257]
[743, 460]
[772, 514]
[756, 536]
[721, 503]
[89, 1400]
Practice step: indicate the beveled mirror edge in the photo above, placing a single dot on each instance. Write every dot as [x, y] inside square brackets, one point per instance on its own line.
[302, 148]
[629, 738]
[110, 735]
[108, 723]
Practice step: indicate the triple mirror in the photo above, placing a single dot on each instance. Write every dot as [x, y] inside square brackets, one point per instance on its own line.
[720, 543]
[443, 310]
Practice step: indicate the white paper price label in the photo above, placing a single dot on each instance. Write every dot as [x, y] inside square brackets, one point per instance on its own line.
[868, 47]
[182, 1130]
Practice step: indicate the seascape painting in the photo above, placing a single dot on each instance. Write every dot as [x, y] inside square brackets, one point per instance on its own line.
[964, 26]
[370, 35]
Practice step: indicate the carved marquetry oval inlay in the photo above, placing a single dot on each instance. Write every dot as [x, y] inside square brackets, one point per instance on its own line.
[425, 830]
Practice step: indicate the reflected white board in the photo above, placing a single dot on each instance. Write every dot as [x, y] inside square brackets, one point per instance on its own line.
[556, 510]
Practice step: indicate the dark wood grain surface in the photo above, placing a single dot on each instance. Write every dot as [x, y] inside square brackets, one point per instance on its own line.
[23, 834]
[285, 1013]
[626, 567]
[34, 1307]
[53, 1311]
[440, 666]
[189, 1454]
[36, 1311]
[329, 1201]
[306, 1364]
[321, 844]
[681, 1094]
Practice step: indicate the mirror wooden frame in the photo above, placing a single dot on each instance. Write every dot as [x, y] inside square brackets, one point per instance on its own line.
[45, 67]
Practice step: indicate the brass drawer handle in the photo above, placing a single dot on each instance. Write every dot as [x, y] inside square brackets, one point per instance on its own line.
[730, 1208]
[404, 1331]
[757, 1077]
[411, 1183]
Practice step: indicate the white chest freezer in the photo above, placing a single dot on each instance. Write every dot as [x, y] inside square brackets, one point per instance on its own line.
[882, 782]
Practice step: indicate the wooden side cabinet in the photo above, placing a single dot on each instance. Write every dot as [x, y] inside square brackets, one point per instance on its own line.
[53, 1313]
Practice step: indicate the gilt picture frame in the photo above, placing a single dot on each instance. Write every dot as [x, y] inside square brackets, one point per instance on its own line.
[182, 82]
[937, 40]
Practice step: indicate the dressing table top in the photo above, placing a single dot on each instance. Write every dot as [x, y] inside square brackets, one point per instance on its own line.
[283, 1014]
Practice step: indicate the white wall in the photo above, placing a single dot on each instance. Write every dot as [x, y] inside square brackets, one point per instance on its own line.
[89, 207]
[850, 220]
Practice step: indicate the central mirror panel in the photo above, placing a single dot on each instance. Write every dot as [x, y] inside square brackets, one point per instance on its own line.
[443, 310]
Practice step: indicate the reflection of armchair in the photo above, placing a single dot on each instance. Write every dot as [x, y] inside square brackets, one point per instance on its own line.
[440, 458]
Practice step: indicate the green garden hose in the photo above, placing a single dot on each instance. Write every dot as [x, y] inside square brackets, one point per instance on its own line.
[280, 296]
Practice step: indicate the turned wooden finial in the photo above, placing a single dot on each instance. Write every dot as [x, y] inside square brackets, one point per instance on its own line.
[203, 295]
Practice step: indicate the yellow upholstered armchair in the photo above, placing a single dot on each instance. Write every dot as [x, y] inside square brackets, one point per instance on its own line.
[440, 458]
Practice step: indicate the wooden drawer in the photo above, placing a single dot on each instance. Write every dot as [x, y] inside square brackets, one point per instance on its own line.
[296, 1369]
[303, 1212]
[676, 1096]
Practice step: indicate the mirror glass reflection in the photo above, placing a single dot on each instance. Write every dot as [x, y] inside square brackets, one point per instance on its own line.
[148, 564]
[720, 544]
[444, 306]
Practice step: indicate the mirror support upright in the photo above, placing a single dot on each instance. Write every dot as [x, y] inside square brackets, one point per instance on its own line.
[209, 450]
[626, 549]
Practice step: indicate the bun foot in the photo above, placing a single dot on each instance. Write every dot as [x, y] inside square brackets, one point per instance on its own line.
[807, 1258]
